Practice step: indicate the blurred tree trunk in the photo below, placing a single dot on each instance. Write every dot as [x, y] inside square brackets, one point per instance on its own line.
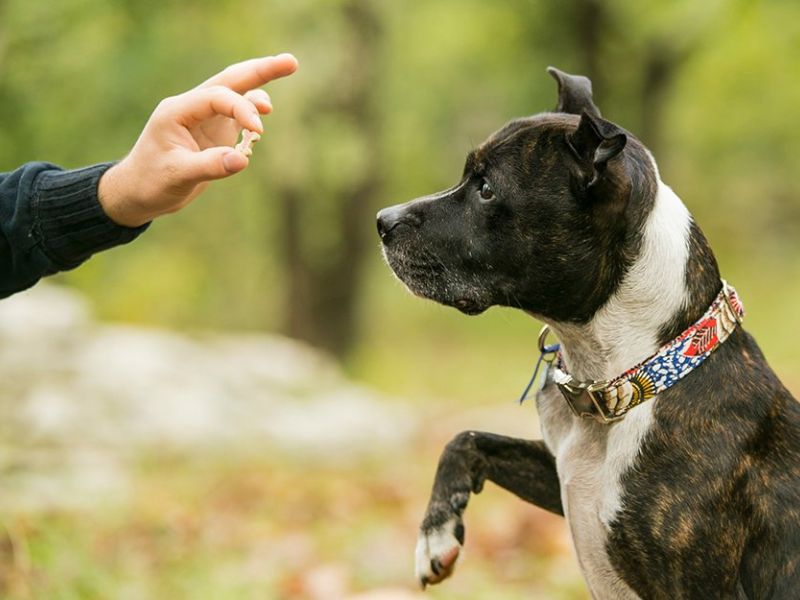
[660, 66]
[591, 20]
[323, 291]
[594, 31]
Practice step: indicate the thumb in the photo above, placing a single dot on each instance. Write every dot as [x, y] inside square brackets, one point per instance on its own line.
[214, 163]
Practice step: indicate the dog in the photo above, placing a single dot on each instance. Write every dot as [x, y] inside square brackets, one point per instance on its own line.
[669, 444]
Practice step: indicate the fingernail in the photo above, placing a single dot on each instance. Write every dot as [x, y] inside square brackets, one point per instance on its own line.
[231, 162]
[256, 123]
[284, 55]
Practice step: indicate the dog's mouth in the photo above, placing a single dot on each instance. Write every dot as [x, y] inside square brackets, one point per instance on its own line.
[435, 282]
[468, 306]
[428, 276]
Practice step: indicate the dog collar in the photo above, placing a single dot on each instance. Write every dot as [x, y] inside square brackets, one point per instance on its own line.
[610, 400]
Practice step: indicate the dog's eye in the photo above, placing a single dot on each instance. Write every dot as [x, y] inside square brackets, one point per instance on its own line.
[487, 193]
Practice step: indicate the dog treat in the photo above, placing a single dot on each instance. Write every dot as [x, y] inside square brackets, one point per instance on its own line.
[245, 146]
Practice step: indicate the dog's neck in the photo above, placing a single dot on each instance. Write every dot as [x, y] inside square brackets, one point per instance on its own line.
[654, 298]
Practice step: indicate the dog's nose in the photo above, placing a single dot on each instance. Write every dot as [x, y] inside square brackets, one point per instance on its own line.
[388, 219]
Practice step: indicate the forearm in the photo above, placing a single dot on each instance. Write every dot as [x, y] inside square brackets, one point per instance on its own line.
[523, 467]
[50, 221]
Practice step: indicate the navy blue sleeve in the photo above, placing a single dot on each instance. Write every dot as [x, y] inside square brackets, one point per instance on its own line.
[50, 221]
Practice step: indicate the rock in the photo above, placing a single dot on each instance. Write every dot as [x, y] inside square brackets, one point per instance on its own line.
[81, 399]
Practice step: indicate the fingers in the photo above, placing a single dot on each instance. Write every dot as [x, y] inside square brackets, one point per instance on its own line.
[253, 73]
[213, 163]
[200, 104]
[260, 100]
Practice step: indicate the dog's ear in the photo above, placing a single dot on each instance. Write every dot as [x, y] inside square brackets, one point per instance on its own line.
[594, 143]
[574, 93]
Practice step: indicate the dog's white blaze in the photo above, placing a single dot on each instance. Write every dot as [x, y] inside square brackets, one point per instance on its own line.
[652, 292]
[625, 329]
[622, 448]
[591, 458]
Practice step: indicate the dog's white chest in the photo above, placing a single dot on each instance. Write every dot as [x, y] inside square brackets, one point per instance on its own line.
[590, 459]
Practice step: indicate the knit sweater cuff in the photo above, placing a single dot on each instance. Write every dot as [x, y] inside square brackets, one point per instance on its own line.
[69, 223]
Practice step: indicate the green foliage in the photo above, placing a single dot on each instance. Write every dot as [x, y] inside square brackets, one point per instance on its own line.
[78, 79]
[712, 84]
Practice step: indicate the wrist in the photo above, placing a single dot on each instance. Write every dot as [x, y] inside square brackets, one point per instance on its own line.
[113, 194]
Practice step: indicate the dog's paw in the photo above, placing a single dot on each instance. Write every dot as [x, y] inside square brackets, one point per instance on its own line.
[438, 549]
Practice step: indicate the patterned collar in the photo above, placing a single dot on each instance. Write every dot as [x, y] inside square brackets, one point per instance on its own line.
[610, 400]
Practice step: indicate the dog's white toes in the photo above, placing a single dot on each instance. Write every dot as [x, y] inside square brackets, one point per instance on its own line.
[437, 553]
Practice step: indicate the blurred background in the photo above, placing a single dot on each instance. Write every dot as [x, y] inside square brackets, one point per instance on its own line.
[244, 403]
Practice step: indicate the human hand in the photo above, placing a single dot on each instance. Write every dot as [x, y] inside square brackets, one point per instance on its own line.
[187, 142]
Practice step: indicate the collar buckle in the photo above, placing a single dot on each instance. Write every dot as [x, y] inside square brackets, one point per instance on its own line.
[585, 398]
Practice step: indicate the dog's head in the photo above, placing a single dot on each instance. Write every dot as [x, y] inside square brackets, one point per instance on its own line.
[546, 218]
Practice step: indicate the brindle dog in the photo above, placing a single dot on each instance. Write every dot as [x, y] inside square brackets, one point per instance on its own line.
[694, 494]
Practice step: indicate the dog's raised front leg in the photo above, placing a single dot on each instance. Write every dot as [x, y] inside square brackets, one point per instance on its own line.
[523, 467]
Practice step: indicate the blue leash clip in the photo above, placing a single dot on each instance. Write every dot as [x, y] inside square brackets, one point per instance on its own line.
[546, 354]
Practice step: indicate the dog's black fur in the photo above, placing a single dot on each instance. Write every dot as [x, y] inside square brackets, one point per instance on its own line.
[548, 218]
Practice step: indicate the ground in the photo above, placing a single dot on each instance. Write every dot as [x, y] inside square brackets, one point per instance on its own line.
[140, 463]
